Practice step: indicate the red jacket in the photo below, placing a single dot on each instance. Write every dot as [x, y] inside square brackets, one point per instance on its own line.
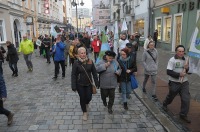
[96, 46]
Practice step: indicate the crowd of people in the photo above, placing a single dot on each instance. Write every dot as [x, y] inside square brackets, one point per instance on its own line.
[113, 70]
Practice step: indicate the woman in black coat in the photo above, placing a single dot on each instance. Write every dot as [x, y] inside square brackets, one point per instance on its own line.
[2, 51]
[12, 58]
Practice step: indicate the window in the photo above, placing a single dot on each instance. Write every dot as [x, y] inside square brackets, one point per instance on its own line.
[178, 30]
[32, 5]
[167, 29]
[158, 23]
[2, 33]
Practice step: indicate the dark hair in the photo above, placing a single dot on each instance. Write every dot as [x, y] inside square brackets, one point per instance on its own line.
[149, 36]
[126, 51]
[179, 47]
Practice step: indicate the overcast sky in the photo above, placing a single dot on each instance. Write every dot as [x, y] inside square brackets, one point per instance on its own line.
[87, 4]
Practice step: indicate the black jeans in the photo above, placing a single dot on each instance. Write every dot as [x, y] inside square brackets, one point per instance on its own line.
[108, 93]
[47, 51]
[13, 67]
[3, 110]
[183, 90]
[85, 94]
[96, 55]
[62, 63]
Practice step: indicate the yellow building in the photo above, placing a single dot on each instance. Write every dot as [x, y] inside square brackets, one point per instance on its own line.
[82, 23]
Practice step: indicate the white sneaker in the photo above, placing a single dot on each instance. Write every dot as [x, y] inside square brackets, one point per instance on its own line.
[85, 116]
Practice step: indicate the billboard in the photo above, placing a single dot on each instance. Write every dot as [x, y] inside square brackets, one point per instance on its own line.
[101, 12]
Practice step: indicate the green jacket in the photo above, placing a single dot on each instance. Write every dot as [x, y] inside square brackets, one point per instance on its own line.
[26, 47]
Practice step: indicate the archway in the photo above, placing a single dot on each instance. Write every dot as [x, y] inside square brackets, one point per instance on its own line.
[17, 32]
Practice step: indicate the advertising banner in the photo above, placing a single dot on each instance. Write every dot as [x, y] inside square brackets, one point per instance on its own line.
[101, 12]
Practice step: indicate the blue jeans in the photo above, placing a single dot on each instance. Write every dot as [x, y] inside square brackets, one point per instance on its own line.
[13, 67]
[126, 90]
[85, 94]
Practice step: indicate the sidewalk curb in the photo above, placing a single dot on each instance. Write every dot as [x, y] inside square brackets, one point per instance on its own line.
[162, 118]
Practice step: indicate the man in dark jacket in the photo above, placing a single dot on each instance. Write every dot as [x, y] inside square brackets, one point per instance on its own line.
[12, 58]
[3, 96]
[47, 44]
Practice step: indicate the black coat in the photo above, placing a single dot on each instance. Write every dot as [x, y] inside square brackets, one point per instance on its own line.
[2, 53]
[12, 55]
[79, 76]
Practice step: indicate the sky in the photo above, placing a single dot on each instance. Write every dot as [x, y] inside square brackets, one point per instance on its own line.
[87, 4]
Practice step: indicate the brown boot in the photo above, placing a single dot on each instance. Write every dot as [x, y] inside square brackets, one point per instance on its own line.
[10, 118]
[85, 116]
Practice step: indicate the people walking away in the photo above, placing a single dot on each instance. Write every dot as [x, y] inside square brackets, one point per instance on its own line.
[3, 96]
[47, 45]
[146, 42]
[80, 79]
[150, 63]
[177, 69]
[12, 58]
[59, 57]
[2, 52]
[155, 37]
[128, 67]
[96, 45]
[26, 47]
[108, 70]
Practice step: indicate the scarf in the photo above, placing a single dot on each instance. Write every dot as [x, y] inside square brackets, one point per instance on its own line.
[84, 61]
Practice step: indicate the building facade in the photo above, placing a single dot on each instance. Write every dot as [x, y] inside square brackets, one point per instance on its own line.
[175, 21]
[31, 17]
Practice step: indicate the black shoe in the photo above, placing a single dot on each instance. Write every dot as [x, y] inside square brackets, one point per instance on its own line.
[125, 106]
[120, 91]
[10, 118]
[154, 97]
[164, 107]
[54, 78]
[105, 104]
[110, 111]
[184, 118]
[15, 75]
[144, 90]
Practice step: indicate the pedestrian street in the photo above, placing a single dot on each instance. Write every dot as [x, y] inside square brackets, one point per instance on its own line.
[41, 104]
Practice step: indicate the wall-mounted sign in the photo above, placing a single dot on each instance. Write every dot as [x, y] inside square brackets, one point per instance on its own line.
[29, 20]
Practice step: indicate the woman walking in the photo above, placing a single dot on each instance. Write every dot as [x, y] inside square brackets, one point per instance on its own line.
[109, 69]
[150, 63]
[82, 71]
[128, 67]
[12, 58]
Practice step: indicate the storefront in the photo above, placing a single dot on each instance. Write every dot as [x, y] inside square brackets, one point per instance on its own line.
[139, 26]
[175, 23]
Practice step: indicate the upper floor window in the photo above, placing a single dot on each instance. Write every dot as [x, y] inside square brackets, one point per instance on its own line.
[2, 31]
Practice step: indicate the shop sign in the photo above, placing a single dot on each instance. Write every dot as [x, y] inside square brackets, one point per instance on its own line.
[188, 6]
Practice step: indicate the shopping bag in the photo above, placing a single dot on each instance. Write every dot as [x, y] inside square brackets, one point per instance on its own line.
[134, 82]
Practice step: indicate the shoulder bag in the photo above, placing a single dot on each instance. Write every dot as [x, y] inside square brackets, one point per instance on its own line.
[151, 56]
[94, 89]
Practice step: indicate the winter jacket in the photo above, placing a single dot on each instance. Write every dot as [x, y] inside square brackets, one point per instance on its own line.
[150, 66]
[79, 77]
[26, 47]
[47, 42]
[3, 92]
[12, 55]
[2, 53]
[86, 42]
[96, 45]
[125, 64]
[58, 51]
[67, 43]
[108, 78]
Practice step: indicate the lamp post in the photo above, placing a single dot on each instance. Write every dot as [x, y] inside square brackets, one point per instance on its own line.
[80, 17]
[75, 3]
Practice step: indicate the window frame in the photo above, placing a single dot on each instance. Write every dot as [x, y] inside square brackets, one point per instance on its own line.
[164, 25]
[157, 18]
[4, 31]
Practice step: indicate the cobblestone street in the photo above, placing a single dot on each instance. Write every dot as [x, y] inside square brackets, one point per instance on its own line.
[44, 105]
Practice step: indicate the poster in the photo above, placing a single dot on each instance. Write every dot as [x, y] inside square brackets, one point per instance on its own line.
[194, 51]
[101, 12]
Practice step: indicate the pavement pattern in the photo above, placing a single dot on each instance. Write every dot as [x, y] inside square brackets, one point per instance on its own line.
[41, 104]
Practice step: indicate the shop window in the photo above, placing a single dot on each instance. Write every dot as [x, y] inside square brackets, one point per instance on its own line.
[158, 24]
[167, 29]
[178, 30]
[139, 26]
[2, 33]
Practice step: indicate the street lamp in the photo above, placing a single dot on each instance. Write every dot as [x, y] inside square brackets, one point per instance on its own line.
[80, 17]
[76, 3]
